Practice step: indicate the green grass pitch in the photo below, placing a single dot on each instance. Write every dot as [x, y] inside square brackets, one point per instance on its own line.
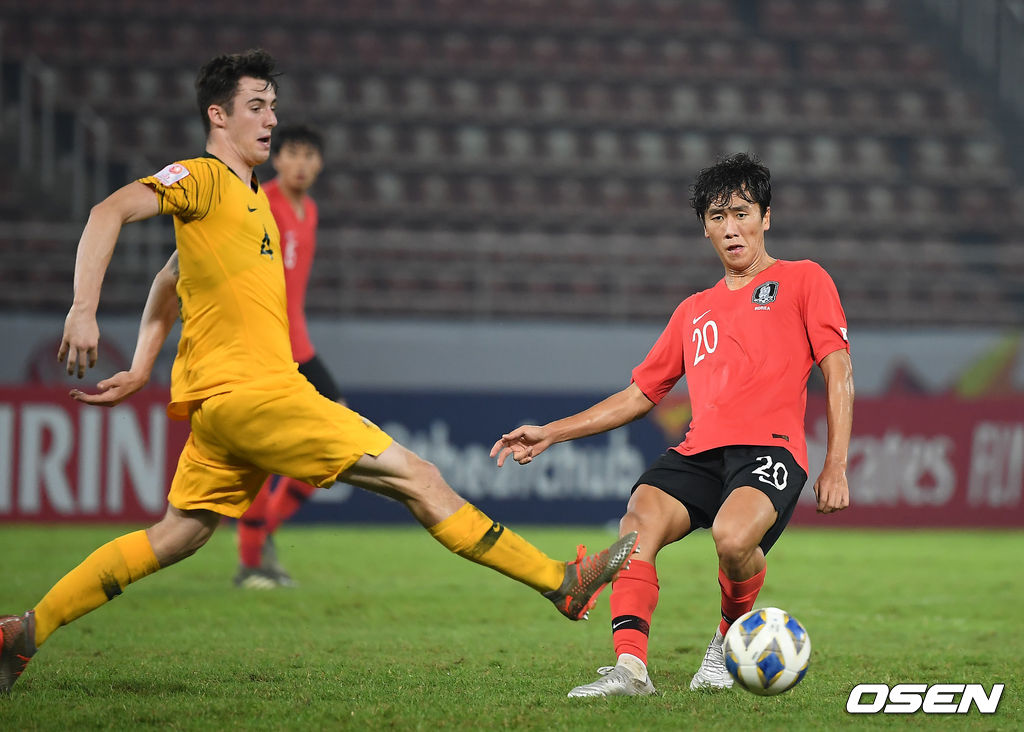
[389, 631]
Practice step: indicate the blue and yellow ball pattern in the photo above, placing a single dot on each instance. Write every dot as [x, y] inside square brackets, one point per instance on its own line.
[767, 651]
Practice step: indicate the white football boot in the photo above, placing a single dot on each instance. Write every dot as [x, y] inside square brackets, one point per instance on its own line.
[712, 673]
[628, 677]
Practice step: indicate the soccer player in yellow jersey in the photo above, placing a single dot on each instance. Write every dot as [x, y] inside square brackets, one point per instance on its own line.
[251, 412]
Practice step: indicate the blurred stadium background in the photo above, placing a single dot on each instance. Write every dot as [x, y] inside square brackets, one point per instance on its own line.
[505, 227]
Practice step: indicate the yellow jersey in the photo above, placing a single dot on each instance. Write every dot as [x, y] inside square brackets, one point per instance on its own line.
[230, 286]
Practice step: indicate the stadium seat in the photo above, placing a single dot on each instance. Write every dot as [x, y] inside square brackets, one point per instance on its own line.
[727, 104]
[982, 161]
[552, 99]
[517, 144]
[99, 85]
[912, 106]
[650, 150]
[822, 59]
[597, 99]
[374, 94]
[880, 201]
[381, 138]
[872, 158]
[561, 146]
[826, 156]
[871, 60]
[472, 143]
[933, 158]
[773, 108]
[694, 150]
[864, 106]
[685, 104]
[329, 92]
[676, 56]
[96, 42]
[738, 142]
[411, 49]
[783, 154]
[815, 103]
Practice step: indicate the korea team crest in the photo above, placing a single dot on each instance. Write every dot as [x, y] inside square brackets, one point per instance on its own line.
[765, 293]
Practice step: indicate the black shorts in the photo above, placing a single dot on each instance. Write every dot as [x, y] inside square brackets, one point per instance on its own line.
[318, 375]
[703, 481]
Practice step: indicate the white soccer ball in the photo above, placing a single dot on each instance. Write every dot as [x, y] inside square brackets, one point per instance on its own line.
[767, 651]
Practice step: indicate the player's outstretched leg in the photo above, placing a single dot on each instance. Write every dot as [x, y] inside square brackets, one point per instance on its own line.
[712, 673]
[467, 531]
[573, 586]
[588, 575]
[17, 646]
[628, 677]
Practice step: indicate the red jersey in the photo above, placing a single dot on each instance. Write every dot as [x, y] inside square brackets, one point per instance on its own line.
[298, 245]
[747, 354]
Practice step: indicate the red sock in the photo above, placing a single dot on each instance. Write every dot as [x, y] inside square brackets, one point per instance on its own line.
[634, 597]
[738, 597]
[287, 497]
[252, 529]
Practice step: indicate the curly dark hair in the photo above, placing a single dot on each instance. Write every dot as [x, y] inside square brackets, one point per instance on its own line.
[218, 79]
[296, 135]
[739, 173]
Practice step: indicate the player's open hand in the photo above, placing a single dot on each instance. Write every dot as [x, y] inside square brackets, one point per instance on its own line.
[80, 343]
[832, 490]
[523, 444]
[112, 391]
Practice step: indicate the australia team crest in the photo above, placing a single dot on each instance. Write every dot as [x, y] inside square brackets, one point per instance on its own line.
[765, 293]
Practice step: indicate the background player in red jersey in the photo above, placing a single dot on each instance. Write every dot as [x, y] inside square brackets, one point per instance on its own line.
[297, 156]
[746, 346]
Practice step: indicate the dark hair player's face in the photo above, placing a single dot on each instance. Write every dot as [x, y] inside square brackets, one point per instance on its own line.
[297, 164]
[251, 118]
[736, 230]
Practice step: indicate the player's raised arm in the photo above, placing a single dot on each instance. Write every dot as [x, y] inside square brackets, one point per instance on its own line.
[527, 442]
[158, 318]
[832, 488]
[80, 342]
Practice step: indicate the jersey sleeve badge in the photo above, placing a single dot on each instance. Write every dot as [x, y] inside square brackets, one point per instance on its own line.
[172, 174]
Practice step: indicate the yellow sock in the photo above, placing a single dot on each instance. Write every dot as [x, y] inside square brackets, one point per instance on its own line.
[471, 534]
[101, 577]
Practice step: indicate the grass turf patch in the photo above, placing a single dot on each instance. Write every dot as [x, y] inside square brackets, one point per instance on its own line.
[387, 630]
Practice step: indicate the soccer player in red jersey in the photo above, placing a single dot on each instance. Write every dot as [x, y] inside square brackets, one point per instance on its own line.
[297, 156]
[746, 346]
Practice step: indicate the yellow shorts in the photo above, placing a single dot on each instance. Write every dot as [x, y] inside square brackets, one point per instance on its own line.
[240, 437]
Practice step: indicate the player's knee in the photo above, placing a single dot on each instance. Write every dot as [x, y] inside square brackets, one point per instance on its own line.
[633, 521]
[426, 479]
[655, 531]
[732, 548]
[175, 540]
[196, 541]
[183, 548]
[175, 554]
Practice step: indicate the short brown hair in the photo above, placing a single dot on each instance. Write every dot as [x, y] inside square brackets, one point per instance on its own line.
[218, 80]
